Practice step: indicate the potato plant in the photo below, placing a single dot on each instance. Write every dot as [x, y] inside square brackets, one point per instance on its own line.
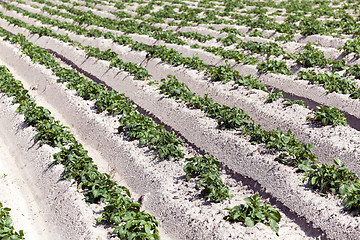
[253, 212]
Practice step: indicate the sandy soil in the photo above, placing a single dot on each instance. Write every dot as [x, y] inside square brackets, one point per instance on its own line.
[287, 84]
[294, 118]
[142, 175]
[43, 206]
[247, 168]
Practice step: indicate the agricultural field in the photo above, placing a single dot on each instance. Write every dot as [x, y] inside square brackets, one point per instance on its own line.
[175, 119]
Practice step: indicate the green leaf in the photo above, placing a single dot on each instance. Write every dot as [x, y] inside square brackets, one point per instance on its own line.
[249, 222]
[274, 226]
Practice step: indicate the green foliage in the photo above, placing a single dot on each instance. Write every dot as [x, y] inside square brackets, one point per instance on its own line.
[330, 178]
[139, 73]
[274, 66]
[175, 88]
[293, 152]
[285, 38]
[311, 26]
[175, 58]
[196, 36]
[250, 82]
[312, 57]
[288, 102]
[351, 200]
[330, 81]
[253, 212]
[168, 37]
[356, 94]
[228, 118]
[231, 54]
[7, 231]
[229, 40]
[328, 116]
[223, 73]
[140, 127]
[231, 31]
[256, 33]
[119, 5]
[338, 65]
[132, 123]
[352, 46]
[121, 14]
[98, 187]
[273, 96]
[210, 183]
[354, 71]
[113, 103]
[268, 49]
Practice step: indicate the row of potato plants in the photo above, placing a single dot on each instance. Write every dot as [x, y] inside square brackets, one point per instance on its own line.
[7, 230]
[309, 58]
[120, 211]
[335, 178]
[91, 18]
[218, 190]
[137, 126]
[257, 17]
[221, 73]
[169, 9]
[342, 85]
[108, 57]
[296, 22]
[127, 26]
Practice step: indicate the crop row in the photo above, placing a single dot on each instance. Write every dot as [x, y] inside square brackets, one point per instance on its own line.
[221, 73]
[7, 230]
[122, 213]
[322, 167]
[137, 126]
[309, 58]
[217, 74]
[299, 17]
[229, 8]
[134, 124]
[297, 151]
[157, 15]
[336, 178]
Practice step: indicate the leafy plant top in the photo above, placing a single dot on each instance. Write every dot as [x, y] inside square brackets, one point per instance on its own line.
[210, 183]
[312, 57]
[330, 178]
[7, 231]
[328, 116]
[352, 46]
[253, 212]
[273, 96]
[332, 82]
[274, 66]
